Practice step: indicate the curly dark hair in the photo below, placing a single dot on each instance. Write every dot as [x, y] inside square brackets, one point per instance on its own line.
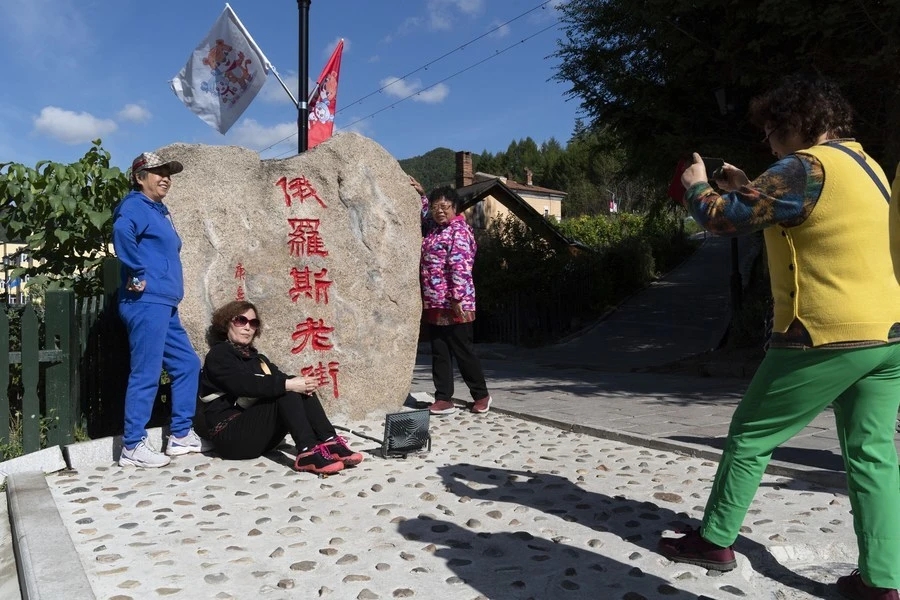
[444, 193]
[218, 327]
[807, 104]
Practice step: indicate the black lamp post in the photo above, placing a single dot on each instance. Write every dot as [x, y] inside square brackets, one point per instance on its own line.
[303, 113]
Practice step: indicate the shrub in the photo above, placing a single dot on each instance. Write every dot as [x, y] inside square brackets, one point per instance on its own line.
[541, 294]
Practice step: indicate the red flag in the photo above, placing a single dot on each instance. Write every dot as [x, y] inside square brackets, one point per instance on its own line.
[323, 102]
[676, 189]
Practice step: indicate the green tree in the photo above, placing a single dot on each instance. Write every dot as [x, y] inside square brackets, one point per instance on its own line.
[63, 215]
[485, 163]
[433, 169]
[673, 77]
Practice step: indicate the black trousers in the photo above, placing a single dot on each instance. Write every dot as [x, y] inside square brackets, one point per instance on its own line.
[449, 342]
[260, 428]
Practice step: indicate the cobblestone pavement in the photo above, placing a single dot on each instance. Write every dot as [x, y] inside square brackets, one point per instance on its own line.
[501, 508]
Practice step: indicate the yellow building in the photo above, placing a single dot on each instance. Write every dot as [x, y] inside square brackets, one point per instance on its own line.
[487, 197]
[545, 201]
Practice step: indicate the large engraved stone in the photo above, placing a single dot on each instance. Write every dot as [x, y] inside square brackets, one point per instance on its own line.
[326, 244]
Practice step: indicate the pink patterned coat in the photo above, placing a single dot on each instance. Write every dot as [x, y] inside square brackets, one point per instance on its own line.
[445, 268]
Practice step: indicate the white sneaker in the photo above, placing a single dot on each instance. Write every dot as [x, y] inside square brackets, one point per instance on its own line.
[143, 455]
[190, 442]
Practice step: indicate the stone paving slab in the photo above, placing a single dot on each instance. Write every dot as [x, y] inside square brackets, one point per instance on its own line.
[9, 578]
[501, 508]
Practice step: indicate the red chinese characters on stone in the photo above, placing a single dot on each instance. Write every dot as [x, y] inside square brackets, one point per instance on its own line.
[324, 375]
[239, 274]
[305, 239]
[298, 188]
[305, 286]
[312, 332]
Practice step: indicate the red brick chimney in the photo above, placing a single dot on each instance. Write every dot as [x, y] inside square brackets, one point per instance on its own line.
[528, 175]
[464, 175]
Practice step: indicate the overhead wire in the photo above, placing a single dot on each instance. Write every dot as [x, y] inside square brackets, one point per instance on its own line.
[425, 67]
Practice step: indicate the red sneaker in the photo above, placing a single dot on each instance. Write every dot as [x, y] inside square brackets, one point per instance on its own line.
[338, 448]
[316, 461]
[482, 406]
[442, 407]
[694, 550]
[852, 586]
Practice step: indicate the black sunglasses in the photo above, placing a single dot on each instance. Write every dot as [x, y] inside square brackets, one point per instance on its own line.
[241, 320]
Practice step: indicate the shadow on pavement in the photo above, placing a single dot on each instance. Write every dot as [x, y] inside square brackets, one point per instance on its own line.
[517, 565]
[639, 523]
[810, 457]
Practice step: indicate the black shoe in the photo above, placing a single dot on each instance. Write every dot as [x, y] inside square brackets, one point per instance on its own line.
[337, 447]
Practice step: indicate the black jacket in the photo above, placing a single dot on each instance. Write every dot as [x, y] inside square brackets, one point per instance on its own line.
[227, 371]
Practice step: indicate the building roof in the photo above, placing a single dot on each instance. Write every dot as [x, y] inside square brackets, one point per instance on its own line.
[471, 195]
[532, 189]
[519, 187]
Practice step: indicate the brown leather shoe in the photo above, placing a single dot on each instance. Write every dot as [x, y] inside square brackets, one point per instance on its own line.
[852, 586]
[694, 550]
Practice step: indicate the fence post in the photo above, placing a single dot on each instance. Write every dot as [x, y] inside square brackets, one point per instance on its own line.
[111, 275]
[107, 407]
[31, 403]
[4, 376]
[61, 377]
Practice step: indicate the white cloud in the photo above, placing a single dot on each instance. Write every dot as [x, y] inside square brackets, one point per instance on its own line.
[70, 127]
[273, 93]
[251, 134]
[501, 32]
[433, 95]
[409, 25]
[547, 13]
[134, 113]
[441, 12]
[402, 88]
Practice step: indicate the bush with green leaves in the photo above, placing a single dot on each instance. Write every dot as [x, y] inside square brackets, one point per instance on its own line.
[63, 215]
[515, 267]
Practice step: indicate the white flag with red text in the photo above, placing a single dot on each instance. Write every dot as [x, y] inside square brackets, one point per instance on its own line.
[224, 73]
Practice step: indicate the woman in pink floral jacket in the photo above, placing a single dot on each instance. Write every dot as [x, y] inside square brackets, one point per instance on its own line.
[448, 299]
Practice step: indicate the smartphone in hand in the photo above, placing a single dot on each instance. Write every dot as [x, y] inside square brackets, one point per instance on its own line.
[713, 167]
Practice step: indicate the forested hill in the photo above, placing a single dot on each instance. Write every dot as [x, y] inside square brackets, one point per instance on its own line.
[435, 167]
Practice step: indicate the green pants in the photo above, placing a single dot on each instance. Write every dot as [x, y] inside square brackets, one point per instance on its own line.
[790, 388]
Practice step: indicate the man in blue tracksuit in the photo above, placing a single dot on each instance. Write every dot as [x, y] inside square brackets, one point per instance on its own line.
[148, 247]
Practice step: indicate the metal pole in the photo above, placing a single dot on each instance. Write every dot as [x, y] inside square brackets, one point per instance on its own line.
[736, 280]
[303, 114]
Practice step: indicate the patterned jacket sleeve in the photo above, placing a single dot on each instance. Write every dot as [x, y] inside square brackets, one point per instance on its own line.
[462, 259]
[785, 194]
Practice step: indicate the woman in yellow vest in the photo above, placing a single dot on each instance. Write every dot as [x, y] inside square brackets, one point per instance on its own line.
[831, 234]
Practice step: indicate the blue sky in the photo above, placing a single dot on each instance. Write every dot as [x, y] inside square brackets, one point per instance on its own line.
[77, 70]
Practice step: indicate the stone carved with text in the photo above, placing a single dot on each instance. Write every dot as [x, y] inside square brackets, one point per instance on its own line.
[326, 244]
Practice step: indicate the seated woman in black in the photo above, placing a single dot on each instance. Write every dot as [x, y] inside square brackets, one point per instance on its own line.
[247, 404]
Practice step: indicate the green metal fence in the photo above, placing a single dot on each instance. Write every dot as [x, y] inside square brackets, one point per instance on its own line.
[51, 359]
[71, 368]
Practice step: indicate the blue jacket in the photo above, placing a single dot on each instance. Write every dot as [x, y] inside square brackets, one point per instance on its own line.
[147, 245]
